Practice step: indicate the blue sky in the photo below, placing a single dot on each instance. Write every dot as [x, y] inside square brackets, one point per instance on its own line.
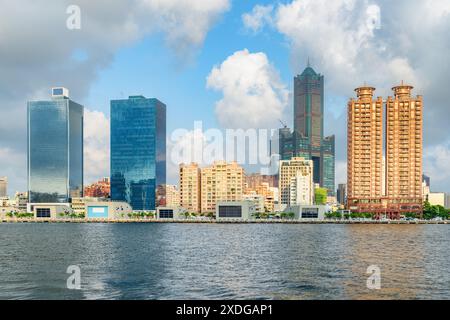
[150, 68]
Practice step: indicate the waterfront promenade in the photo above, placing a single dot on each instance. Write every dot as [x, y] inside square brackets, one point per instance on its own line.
[221, 221]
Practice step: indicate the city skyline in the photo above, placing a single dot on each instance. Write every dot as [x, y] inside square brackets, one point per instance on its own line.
[202, 79]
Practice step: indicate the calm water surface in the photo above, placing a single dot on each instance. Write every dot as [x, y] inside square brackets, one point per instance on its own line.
[242, 261]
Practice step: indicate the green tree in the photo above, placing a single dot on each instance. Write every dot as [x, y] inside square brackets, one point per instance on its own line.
[320, 196]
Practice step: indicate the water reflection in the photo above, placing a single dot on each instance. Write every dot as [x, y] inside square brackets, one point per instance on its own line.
[212, 261]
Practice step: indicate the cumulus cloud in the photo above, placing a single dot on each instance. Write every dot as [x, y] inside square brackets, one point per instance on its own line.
[38, 51]
[185, 22]
[378, 42]
[253, 95]
[258, 17]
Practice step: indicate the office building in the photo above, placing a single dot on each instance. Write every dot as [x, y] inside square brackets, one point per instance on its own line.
[221, 182]
[3, 187]
[138, 151]
[190, 187]
[308, 140]
[296, 181]
[55, 149]
[342, 193]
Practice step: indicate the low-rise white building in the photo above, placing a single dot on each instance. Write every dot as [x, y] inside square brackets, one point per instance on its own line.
[241, 210]
[308, 211]
[257, 199]
[49, 210]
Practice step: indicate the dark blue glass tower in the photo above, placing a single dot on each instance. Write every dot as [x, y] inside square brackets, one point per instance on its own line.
[138, 151]
[308, 140]
[55, 149]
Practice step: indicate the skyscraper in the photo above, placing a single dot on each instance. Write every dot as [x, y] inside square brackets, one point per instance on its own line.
[365, 150]
[308, 140]
[3, 186]
[138, 151]
[55, 148]
[401, 165]
[404, 149]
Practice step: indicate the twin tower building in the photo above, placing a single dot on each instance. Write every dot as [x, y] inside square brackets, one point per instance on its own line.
[55, 150]
[384, 164]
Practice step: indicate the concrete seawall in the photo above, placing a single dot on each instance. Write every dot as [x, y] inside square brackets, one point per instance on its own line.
[45, 220]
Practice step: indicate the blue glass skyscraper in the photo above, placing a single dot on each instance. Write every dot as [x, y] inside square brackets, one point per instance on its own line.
[138, 151]
[55, 148]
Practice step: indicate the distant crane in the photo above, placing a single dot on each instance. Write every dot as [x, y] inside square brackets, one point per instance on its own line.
[282, 123]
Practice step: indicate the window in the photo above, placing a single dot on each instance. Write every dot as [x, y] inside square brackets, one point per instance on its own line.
[166, 214]
[43, 212]
[310, 213]
[230, 212]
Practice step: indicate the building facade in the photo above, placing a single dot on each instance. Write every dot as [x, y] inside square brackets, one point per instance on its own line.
[342, 193]
[387, 183]
[3, 187]
[55, 148]
[404, 150]
[220, 182]
[99, 189]
[138, 151]
[365, 150]
[190, 197]
[296, 181]
[172, 196]
[308, 140]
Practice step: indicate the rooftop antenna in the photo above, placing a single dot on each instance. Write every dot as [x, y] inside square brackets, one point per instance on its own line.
[283, 124]
[309, 64]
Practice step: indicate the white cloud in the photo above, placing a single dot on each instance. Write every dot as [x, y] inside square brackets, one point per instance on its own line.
[253, 94]
[96, 146]
[37, 51]
[259, 16]
[184, 22]
[436, 161]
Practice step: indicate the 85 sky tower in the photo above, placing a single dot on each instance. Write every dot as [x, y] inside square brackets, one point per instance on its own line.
[308, 139]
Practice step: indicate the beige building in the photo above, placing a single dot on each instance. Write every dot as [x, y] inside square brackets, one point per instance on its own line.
[404, 147]
[296, 181]
[189, 195]
[172, 196]
[221, 182]
[269, 194]
[436, 199]
[365, 150]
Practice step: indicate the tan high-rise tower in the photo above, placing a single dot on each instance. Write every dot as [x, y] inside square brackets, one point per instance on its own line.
[404, 149]
[365, 150]
[400, 167]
